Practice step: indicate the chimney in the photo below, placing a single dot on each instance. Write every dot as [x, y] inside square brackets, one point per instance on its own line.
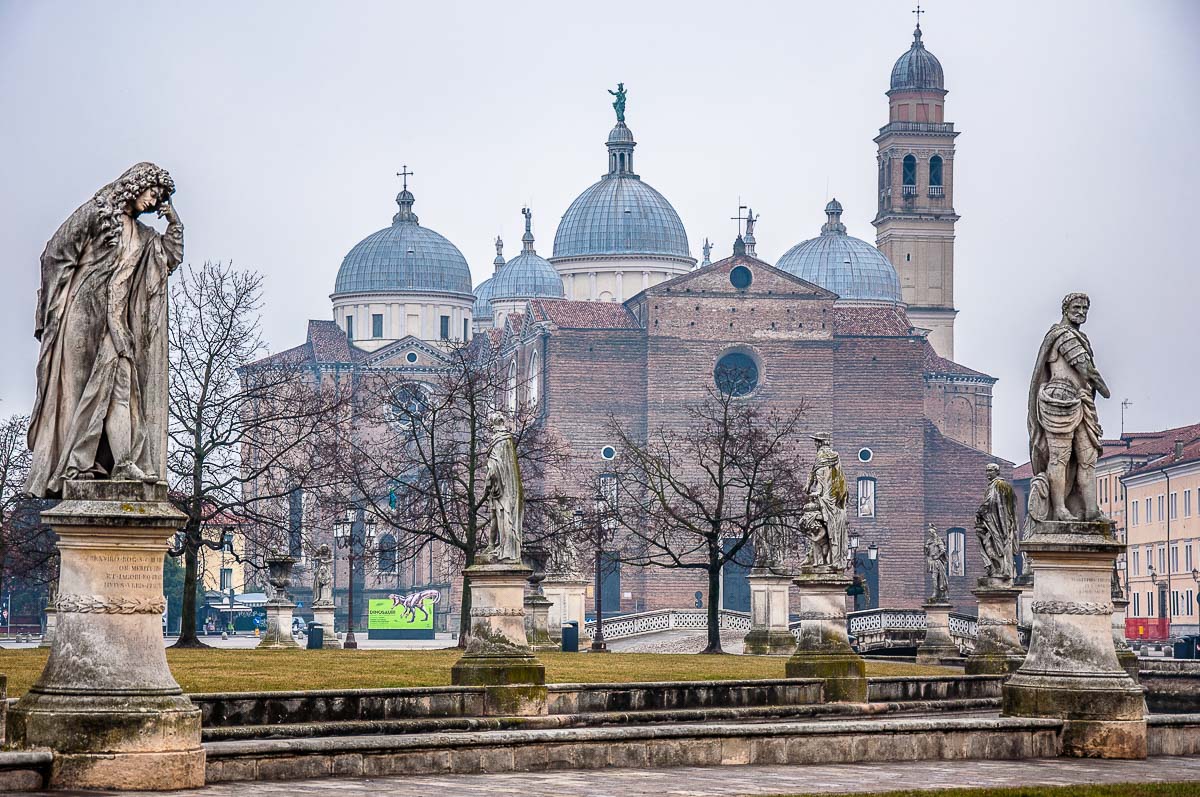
[1178, 449]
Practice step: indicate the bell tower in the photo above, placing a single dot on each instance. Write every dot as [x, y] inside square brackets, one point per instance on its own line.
[914, 227]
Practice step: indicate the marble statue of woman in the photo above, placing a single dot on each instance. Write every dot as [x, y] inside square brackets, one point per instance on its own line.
[827, 483]
[937, 563]
[322, 586]
[505, 496]
[101, 407]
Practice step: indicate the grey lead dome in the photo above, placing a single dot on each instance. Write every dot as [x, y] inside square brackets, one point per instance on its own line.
[848, 266]
[917, 69]
[404, 257]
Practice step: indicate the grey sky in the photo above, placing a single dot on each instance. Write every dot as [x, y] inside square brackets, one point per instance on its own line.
[284, 123]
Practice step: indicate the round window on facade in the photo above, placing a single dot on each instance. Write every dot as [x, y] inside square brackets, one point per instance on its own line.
[865, 454]
[608, 452]
[411, 356]
[741, 277]
[736, 374]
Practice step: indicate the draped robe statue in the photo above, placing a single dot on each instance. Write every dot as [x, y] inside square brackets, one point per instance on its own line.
[937, 562]
[322, 586]
[101, 407]
[1064, 428]
[505, 496]
[827, 484]
[996, 526]
[812, 524]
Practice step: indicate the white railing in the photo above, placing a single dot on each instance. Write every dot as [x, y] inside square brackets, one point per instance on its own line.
[871, 629]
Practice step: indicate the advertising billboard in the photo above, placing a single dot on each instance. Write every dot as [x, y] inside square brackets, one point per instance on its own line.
[402, 616]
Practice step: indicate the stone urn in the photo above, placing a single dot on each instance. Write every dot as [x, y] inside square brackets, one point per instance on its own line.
[537, 605]
[279, 575]
[279, 605]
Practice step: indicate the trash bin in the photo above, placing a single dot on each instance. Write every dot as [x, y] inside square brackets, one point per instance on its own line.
[1185, 648]
[570, 637]
[316, 636]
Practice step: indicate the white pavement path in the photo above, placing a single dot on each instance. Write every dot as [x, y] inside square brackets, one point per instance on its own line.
[731, 781]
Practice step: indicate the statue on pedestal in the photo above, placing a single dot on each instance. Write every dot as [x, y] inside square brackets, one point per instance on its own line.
[937, 564]
[101, 407]
[505, 496]
[322, 585]
[827, 485]
[771, 542]
[1064, 428]
[996, 525]
[812, 524]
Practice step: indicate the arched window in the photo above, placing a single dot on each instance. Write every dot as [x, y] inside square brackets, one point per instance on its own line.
[956, 551]
[533, 379]
[866, 496]
[621, 157]
[935, 171]
[387, 554]
[910, 170]
[512, 386]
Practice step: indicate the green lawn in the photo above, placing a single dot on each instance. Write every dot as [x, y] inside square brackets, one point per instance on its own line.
[216, 670]
[1114, 790]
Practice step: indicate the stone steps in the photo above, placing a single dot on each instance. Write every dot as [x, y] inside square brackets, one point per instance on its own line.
[24, 771]
[417, 725]
[671, 745]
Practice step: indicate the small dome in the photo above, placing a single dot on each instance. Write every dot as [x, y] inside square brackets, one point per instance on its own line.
[917, 69]
[848, 266]
[527, 276]
[620, 134]
[404, 257]
[483, 300]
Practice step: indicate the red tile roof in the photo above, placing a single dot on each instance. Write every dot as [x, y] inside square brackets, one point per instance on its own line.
[329, 343]
[935, 364]
[1152, 450]
[884, 322]
[568, 314]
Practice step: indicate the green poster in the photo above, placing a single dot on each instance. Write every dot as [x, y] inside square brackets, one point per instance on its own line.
[386, 614]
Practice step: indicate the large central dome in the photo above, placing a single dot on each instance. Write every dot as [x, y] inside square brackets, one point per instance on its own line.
[404, 257]
[621, 214]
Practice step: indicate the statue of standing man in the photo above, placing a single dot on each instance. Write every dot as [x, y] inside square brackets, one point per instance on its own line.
[619, 102]
[101, 407]
[937, 562]
[505, 496]
[1064, 428]
[827, 484]
[996, 526]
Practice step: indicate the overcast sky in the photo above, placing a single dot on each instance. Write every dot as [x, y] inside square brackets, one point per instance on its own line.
[284, 124]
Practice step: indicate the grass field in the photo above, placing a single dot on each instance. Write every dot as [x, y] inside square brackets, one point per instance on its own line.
[226, 670]
[1114, 790]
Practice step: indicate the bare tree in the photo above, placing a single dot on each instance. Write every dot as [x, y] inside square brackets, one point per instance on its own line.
[27, 552]
[245, 433]
[693, 496]
[418, 450]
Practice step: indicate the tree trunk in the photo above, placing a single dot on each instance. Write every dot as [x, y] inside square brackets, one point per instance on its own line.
[714, 606]
[187, 614]
[464, 619]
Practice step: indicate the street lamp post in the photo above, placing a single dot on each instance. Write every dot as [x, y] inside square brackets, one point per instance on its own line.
[598, 644]
[356, 548]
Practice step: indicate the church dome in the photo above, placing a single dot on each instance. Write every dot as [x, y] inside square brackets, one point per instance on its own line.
[918, 69]
[848, 266]
[621, 214]
[483, 292]
[404, 257]
[528, 275]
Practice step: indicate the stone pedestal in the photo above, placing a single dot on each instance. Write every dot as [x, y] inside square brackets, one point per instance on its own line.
[106, 703]
[998, 648]
[278, 635]
[537, 623]
[1072, 671]
[51, 625]
[498, 655]
[323, 614]
[937, 647]
[823, 649]
[1125, 655]
[1024, 583]
[567, 597]
[769, 610]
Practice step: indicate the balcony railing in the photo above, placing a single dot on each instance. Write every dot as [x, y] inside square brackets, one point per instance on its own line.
[918, 127]
[908, 190]
[937, 190]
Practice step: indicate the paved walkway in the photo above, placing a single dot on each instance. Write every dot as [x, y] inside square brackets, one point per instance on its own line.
[730, 781]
